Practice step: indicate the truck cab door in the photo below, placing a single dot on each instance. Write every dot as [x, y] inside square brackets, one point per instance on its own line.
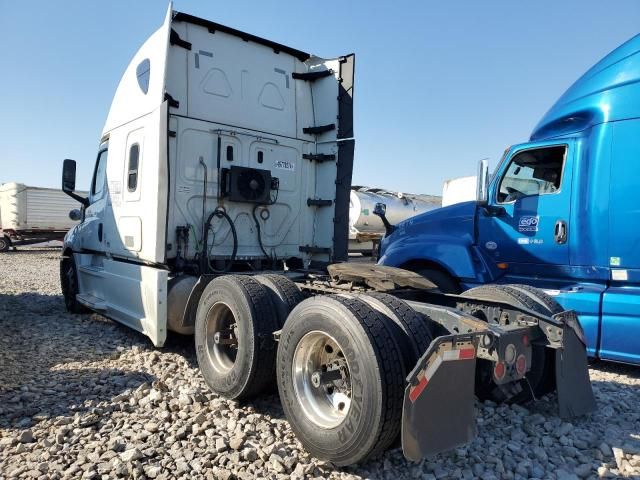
[525, 224]
[92, 232]
[620, 327]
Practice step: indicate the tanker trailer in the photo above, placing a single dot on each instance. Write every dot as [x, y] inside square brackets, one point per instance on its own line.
[366, 229]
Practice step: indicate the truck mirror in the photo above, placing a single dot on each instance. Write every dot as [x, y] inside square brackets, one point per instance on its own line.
[75, 215]
[380, 209]
[69, 182]
[482, 182]
[69, 176]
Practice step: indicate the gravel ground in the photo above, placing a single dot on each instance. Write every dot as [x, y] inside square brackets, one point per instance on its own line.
[84, 397]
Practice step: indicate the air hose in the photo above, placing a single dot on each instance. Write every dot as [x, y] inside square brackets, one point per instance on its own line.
[205, 265]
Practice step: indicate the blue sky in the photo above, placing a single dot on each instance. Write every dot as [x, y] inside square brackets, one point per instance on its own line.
[439, 84]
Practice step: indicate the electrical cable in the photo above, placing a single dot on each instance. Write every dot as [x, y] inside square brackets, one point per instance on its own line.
[255, 219]
[205, 264]
[273, 258]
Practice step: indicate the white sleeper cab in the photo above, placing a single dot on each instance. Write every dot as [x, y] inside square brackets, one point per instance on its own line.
[219, 208]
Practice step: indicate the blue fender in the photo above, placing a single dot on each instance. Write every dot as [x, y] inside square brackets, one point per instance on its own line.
[444, 237]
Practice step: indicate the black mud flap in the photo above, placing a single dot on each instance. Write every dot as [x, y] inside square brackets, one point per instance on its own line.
[438, 412]
[575, 396]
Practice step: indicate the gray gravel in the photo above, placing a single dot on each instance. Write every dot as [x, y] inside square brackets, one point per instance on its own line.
[84, 397]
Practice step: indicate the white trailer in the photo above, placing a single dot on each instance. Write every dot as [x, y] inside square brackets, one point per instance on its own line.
[30, 215]
[457, 190]
[219, 201]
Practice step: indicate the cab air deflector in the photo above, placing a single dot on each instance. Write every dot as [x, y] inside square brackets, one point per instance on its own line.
[247, 37]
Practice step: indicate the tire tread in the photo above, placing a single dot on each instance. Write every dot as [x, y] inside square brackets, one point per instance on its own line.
[391, 373]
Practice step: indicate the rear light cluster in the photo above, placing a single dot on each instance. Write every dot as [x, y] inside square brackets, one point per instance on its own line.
[511, 358]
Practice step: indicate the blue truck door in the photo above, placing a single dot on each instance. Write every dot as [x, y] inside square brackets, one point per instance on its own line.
[526, 222]
[620, 334]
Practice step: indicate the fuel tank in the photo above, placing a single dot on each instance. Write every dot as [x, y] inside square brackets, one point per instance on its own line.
[365, 227]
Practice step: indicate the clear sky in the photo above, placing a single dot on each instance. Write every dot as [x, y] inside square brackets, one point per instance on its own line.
[439, 84]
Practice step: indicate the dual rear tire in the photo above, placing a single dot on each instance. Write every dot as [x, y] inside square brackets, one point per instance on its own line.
[235, 321]
[341, 368]
[340, 364]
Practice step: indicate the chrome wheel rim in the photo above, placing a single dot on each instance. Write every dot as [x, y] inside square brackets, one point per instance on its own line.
[221, 331]
[321, 379]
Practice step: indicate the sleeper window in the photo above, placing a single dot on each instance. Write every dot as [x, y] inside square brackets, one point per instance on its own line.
[533, 172]
[132, 173]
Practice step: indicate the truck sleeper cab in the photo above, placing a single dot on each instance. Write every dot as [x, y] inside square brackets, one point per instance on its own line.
[559, 214]
[220, 200]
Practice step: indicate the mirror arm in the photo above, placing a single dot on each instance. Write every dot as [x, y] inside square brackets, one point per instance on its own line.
[83, 201]
[492, 210]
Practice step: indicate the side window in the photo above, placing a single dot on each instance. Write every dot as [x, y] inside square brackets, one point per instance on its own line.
[143, 73]
[99, 175]
[132, 171]
[533, 172]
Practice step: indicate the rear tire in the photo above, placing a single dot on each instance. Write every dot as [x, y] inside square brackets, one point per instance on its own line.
[69, 285]
[547, 301]
[412, 330]
[236, 308]
[332, 333]
[284, 293]
[445, 282]
[537, 377]
[548, 383]
[5, 244]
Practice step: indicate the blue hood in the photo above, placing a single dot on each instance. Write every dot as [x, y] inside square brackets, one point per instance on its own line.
[454, 220]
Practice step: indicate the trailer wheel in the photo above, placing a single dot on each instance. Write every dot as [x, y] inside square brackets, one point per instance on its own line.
[340, 378]
[284, 293]
[5, 243]
[69, 285]
[234, 326]
[537, 376]
[412, 330]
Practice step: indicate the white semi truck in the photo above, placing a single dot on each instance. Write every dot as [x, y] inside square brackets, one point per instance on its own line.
[31, 215]
[219, 207]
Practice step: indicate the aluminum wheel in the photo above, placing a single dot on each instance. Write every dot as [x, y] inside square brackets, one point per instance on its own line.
[222, 337]
[321, 379]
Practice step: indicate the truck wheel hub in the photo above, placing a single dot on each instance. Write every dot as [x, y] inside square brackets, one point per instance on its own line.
[321, 378]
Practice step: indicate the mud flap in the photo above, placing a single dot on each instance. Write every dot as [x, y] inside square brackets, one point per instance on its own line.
[438, 412]
[575, 396]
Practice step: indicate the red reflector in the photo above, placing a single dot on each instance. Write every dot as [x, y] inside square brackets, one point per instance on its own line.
[499, 370]
[417, 390]
[467, 353]
[521, 364]
[525, 340]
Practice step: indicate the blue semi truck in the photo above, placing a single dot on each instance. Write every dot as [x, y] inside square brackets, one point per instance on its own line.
[561, 213]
